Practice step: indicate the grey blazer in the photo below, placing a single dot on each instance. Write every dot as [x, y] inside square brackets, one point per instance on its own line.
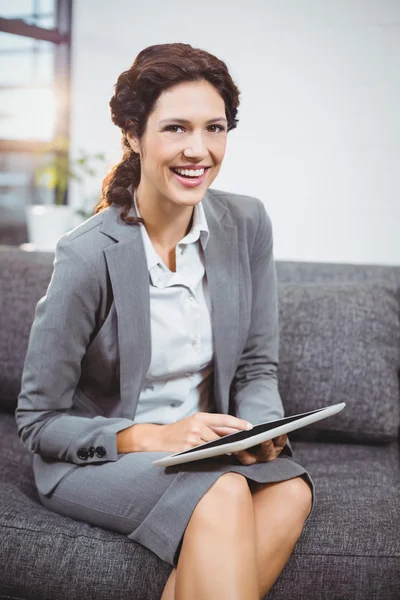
[90, 343]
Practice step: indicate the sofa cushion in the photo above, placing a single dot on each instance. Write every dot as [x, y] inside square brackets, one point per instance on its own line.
[340, 342]
[24, 280]
[46, 556]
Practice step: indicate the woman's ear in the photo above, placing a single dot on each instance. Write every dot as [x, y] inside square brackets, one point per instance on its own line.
[133, 142]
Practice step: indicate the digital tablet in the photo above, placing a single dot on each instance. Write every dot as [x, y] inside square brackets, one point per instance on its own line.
[241, 440]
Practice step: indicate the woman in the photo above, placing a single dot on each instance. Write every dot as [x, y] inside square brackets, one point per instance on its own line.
[159, 332]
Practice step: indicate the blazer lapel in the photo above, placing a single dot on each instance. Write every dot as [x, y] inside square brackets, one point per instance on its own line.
[222, 271]
[129, 276]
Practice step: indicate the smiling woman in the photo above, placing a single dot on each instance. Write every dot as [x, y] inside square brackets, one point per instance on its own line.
[171, 118]
[159, 332]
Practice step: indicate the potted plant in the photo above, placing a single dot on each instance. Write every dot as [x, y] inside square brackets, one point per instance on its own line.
[48, 221]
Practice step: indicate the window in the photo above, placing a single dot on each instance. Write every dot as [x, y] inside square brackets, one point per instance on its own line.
[35, 53]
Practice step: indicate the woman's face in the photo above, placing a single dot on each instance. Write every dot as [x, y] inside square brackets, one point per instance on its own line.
[188, 126]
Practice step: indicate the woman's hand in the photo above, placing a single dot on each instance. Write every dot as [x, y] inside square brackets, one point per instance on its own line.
[194, 430]
[264, 452]
[183, 435]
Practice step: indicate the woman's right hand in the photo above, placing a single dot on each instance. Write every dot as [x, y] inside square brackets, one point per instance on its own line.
[184, 434]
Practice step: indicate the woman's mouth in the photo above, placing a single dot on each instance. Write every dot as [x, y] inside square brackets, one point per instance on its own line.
[190, 178]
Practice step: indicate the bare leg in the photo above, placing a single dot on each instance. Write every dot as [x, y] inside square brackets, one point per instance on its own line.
[289, 504]
[169, 589]
[218, 554]
[292, 504]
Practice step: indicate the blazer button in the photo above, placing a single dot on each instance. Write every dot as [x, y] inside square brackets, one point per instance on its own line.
[83, 454]
[91, 451]
[100, 451]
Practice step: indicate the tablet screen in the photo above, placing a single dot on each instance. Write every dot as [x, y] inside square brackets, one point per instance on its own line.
[243, 435]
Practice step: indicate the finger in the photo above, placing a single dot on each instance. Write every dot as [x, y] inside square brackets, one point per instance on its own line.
[214, 420]
[280, 440]
[280, 443]
[277, 447]
[208, 435]
[267, 450]
[245, 458]
[225, 430]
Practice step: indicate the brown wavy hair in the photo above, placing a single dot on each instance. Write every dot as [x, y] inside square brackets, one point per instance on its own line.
[155, 69]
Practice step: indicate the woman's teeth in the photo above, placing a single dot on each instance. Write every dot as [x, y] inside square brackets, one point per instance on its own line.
[189, 172]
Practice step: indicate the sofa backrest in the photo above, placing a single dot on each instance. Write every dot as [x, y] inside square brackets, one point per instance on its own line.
[339, 341]
[316, 272]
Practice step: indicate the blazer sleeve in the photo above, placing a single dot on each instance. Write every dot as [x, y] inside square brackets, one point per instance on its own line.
[65, 319]
[254, 389]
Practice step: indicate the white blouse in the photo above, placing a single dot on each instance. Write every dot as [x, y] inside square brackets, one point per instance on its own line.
[179, 380]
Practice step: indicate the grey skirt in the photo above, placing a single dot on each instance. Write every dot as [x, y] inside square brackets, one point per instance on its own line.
[153, 505]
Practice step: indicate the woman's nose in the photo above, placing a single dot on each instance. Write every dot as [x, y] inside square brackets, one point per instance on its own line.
[195, 146]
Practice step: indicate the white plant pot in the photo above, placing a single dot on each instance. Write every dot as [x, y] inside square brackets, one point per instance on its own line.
[46, 224]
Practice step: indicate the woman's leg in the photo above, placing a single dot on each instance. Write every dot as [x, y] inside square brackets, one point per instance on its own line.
[169, 589]
[218, 554]
[290, 503]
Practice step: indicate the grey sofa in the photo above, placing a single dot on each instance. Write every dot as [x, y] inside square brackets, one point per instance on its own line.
[13, 227]
[340, 341]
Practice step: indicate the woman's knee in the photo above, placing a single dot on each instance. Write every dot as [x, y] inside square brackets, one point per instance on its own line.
[293, 494]
[229, 492]
[233, 485]
[301, 494]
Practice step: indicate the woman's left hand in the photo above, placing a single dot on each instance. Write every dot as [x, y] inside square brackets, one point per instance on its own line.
[264, 452]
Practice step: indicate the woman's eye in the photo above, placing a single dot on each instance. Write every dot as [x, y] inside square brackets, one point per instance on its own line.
[171, 127]
[220, 127]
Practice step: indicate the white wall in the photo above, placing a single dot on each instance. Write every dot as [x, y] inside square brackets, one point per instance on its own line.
[319, 133]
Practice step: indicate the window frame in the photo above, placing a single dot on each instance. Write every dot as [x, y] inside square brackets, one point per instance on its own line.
[60, 36]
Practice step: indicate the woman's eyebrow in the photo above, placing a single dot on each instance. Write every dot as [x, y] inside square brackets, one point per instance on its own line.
[186, 122]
